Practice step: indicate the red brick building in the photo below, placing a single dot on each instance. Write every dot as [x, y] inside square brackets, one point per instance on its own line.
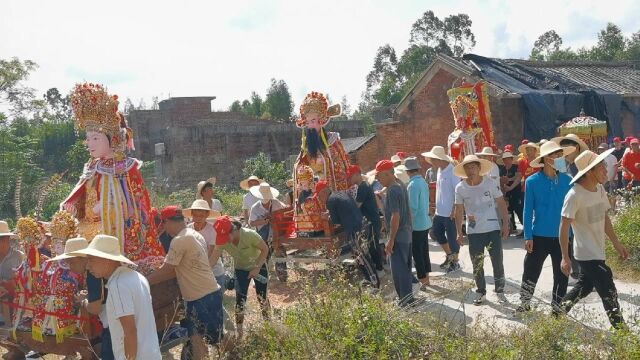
[423, 118]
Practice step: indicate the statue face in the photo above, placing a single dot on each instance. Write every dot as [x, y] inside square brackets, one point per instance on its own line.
[313, 120]
[98, 145]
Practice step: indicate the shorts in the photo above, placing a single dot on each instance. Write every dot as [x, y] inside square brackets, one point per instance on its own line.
[204, 317]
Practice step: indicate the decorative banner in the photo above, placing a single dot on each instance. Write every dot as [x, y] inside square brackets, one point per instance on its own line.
[472, 119]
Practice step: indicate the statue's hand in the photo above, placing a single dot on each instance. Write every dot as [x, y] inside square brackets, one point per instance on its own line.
[70, 208]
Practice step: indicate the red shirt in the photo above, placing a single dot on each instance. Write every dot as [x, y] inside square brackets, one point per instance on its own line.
[629, 161]
[526, 170]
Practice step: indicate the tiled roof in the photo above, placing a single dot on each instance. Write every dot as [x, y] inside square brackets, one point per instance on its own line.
[354, 144]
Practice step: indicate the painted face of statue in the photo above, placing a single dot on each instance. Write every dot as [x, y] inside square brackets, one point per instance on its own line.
[98, 145]
[313, 120]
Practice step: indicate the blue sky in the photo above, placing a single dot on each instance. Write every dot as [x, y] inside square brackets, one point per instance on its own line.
[140, 49]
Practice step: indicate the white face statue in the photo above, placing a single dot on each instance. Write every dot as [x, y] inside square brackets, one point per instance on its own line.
[98, 145]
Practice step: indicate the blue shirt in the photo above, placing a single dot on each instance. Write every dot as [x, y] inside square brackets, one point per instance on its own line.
[419, 203]
[543, 199]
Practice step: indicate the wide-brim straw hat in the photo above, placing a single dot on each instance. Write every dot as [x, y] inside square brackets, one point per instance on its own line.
[201, 185]
[5, 231]
[587, 160]
[105, 247]
[200, 204]
[507, 154]
[264, 191]
[487, 151]
[72, 245]
[549, 148]
[400, 173]
[485, 166]
[244, 184]
[437, 152]
[573, 137]
[370, 176]
[522, 149]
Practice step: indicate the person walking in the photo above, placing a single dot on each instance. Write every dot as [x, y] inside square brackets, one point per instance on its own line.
[419, 203]
[444, 227]
[485, 208]
[510, 180]
[543, 201]
[248, 200]
[585, 210]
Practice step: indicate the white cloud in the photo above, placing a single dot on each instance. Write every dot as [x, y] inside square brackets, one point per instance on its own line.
[141, 49]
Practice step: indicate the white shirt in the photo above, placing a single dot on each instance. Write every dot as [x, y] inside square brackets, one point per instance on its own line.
[611, 163]
[445, 191]
[248, 201]
[209, 235]
[258, 212]
[216, 205]
[129, 294]
[480, 205]
[588, 211]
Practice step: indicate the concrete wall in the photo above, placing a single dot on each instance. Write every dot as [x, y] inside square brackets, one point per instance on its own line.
[200, 144]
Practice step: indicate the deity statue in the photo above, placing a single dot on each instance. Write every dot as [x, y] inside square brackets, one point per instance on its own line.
[322, 151]
[111, 197]
[308, 207]
[59, 285]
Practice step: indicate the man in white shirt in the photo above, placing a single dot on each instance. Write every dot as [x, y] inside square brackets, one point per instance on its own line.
[249, 199]
[585, 210]
[494, 173]
[261, 215]
[129, 308]
[486, 212]
[444, 227]
[611, 163]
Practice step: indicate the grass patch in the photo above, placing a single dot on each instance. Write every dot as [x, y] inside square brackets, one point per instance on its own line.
[627, 226]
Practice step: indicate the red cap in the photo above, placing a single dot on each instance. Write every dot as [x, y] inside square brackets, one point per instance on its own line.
[169, 212]
[223, 227]
[401, 154]
[628, 139]
[384, 165]
[525, 141]
[321, 185]
[617, 139]
[508, 147]
[353, 170]
[634, 141]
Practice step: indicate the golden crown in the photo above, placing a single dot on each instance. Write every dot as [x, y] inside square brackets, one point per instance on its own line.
[28, 230]
[95, 109]
[318, 103]
[304, 173]
[63, 225]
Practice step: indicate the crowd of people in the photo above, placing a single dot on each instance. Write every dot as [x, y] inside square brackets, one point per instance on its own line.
[557, 189]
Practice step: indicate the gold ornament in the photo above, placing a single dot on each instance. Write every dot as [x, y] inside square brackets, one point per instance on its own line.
[63, 226]
[95, 109]
[28, 231]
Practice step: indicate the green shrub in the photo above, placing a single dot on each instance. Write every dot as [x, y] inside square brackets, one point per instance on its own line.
[627, 227]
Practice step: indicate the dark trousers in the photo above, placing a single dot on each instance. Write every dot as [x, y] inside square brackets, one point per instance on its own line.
[596, 274]
[242, 289]
[444, 231]
[401, 271]
[374, 245]
[533, 262]
[515, 206]
[420, 249]
[106, 349]
[493, 243]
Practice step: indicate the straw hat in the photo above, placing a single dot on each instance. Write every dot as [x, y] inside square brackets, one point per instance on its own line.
[437, 152]
[201, 185]
[522, 149]
[583, 145]
[105, 247]
[549, 148]
[244, 184]
[507, 154]
[264, 191]
[400, 173]
[485, 166]
[4, 229]
[72, 245]
[587, 160]
[200, 204]
[486, 151]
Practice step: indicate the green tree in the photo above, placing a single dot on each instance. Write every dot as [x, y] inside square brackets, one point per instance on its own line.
[272, 172]
[246, 106]
[235, 106]
[545, 46]
[278, 104]
[346, 108]
[611, 44]
[256, 105]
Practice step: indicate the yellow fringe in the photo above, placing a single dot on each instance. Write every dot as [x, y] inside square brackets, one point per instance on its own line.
[36, 333]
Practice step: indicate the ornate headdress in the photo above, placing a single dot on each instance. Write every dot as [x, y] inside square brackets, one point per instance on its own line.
[96, 110]
[318, 103]
[63, 225]
[304, 173]
[28, 231]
